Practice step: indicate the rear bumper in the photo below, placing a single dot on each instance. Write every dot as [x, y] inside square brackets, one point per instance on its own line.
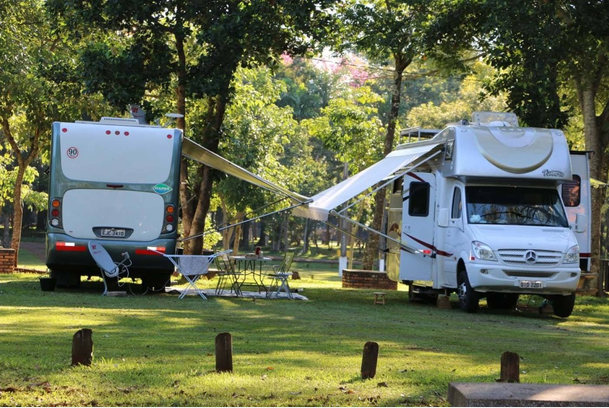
[68, 254]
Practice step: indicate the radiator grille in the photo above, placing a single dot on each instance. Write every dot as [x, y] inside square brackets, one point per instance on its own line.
[520, 256]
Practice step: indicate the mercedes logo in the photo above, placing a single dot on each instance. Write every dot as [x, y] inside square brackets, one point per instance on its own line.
[530, 257]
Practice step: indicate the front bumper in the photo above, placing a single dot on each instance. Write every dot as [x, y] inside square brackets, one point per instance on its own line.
[493, 277]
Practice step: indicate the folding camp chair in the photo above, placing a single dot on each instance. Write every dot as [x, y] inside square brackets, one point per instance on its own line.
[227, 275]
[279, 277]
[109, 268]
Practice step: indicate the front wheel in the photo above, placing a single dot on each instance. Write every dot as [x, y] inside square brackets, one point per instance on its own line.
[563, 305]
[468, 297]
[501, 300]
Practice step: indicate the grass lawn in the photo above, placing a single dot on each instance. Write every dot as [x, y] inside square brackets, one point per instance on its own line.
[157, 350]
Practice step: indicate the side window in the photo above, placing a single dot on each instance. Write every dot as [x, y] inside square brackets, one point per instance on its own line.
[418, 203]
[457, 205]
[571, 193]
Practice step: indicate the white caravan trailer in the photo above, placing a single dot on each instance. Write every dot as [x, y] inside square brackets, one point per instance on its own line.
[477, 210]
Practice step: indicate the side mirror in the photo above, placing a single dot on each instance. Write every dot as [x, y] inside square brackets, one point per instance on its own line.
[443, 217]
[581, 222]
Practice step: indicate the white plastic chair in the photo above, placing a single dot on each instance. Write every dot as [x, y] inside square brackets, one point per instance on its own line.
[109, 268]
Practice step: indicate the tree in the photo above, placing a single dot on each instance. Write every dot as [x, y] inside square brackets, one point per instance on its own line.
[34, 78]
[460, 103]
[382, 30]
[202, 46]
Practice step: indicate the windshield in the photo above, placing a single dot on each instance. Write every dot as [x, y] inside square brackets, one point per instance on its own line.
[514, 206]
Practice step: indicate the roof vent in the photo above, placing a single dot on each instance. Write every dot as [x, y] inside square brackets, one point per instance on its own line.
[119, 121]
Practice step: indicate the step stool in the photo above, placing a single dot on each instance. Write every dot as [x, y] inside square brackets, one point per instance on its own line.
[379, 298]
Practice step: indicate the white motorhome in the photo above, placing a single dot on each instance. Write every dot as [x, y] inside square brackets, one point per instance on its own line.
[477, 210]
[115, 181]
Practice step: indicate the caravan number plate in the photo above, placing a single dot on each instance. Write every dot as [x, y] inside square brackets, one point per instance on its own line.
[527, 284]
[112, 232]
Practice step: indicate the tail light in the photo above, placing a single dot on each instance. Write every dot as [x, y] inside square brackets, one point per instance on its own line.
[55, 213]
[170, 219]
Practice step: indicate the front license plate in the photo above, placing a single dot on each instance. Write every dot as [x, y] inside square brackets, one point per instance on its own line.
[112, 232]
[527, 284]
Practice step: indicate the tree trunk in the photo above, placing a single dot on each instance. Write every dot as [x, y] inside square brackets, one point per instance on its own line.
[17, 212]
[262, 236]
[305, 238]
[236, 239]
[286, 235]
[6, 236]
[215, 116]
[23, 161]
[598, 170]
[401, 62]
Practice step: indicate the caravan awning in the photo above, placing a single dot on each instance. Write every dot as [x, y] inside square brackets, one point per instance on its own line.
[197, 152]
[322, 203]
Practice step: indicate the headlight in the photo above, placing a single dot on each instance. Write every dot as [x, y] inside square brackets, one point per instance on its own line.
[572, 255]
[482, 251]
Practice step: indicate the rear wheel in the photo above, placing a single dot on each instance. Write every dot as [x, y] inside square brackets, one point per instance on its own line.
[65, 279]
[501, 300]
[563, 305]
[468, 297]
[156, 282]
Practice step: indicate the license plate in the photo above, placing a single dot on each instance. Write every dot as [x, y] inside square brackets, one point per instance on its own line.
[527, 284]
[112, 232]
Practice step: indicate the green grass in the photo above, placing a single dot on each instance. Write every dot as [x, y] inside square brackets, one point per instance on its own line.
[157, 350]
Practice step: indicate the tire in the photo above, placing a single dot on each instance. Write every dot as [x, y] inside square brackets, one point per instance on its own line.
[156, 282]
[502, 300]
[563, 305]
[65, 279]
[468, 297]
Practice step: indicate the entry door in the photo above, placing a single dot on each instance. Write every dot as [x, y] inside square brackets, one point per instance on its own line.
[418, 223]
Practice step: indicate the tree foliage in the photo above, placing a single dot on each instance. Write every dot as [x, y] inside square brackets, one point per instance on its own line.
[36, 89]
[196, 49]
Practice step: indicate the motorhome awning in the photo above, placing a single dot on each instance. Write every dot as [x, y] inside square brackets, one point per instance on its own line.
[199, 153]
[322, 203]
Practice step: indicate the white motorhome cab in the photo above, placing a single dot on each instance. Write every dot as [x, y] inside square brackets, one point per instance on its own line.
[485, 217]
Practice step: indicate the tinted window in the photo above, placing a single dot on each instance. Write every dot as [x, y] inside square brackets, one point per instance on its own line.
[418, 204]
[571, 192]
[456, 210]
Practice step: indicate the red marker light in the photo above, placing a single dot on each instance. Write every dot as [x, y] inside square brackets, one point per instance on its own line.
[108, 132]
[169, 136]
[64, 130]
[116, 132]
[126, 133]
